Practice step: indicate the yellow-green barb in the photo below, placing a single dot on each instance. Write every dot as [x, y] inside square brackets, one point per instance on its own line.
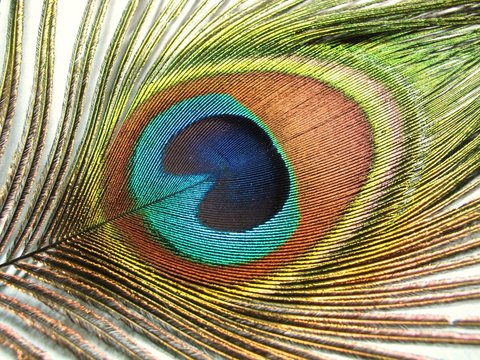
[240, 179]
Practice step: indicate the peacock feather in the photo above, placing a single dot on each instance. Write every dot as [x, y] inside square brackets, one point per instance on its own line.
[243, 179]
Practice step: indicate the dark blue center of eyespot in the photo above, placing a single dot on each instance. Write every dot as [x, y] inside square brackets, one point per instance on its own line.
[251, 179]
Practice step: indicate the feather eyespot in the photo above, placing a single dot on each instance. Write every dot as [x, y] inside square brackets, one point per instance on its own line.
[231, 184]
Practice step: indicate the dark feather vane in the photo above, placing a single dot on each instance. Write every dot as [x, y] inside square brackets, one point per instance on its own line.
[239, 179]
